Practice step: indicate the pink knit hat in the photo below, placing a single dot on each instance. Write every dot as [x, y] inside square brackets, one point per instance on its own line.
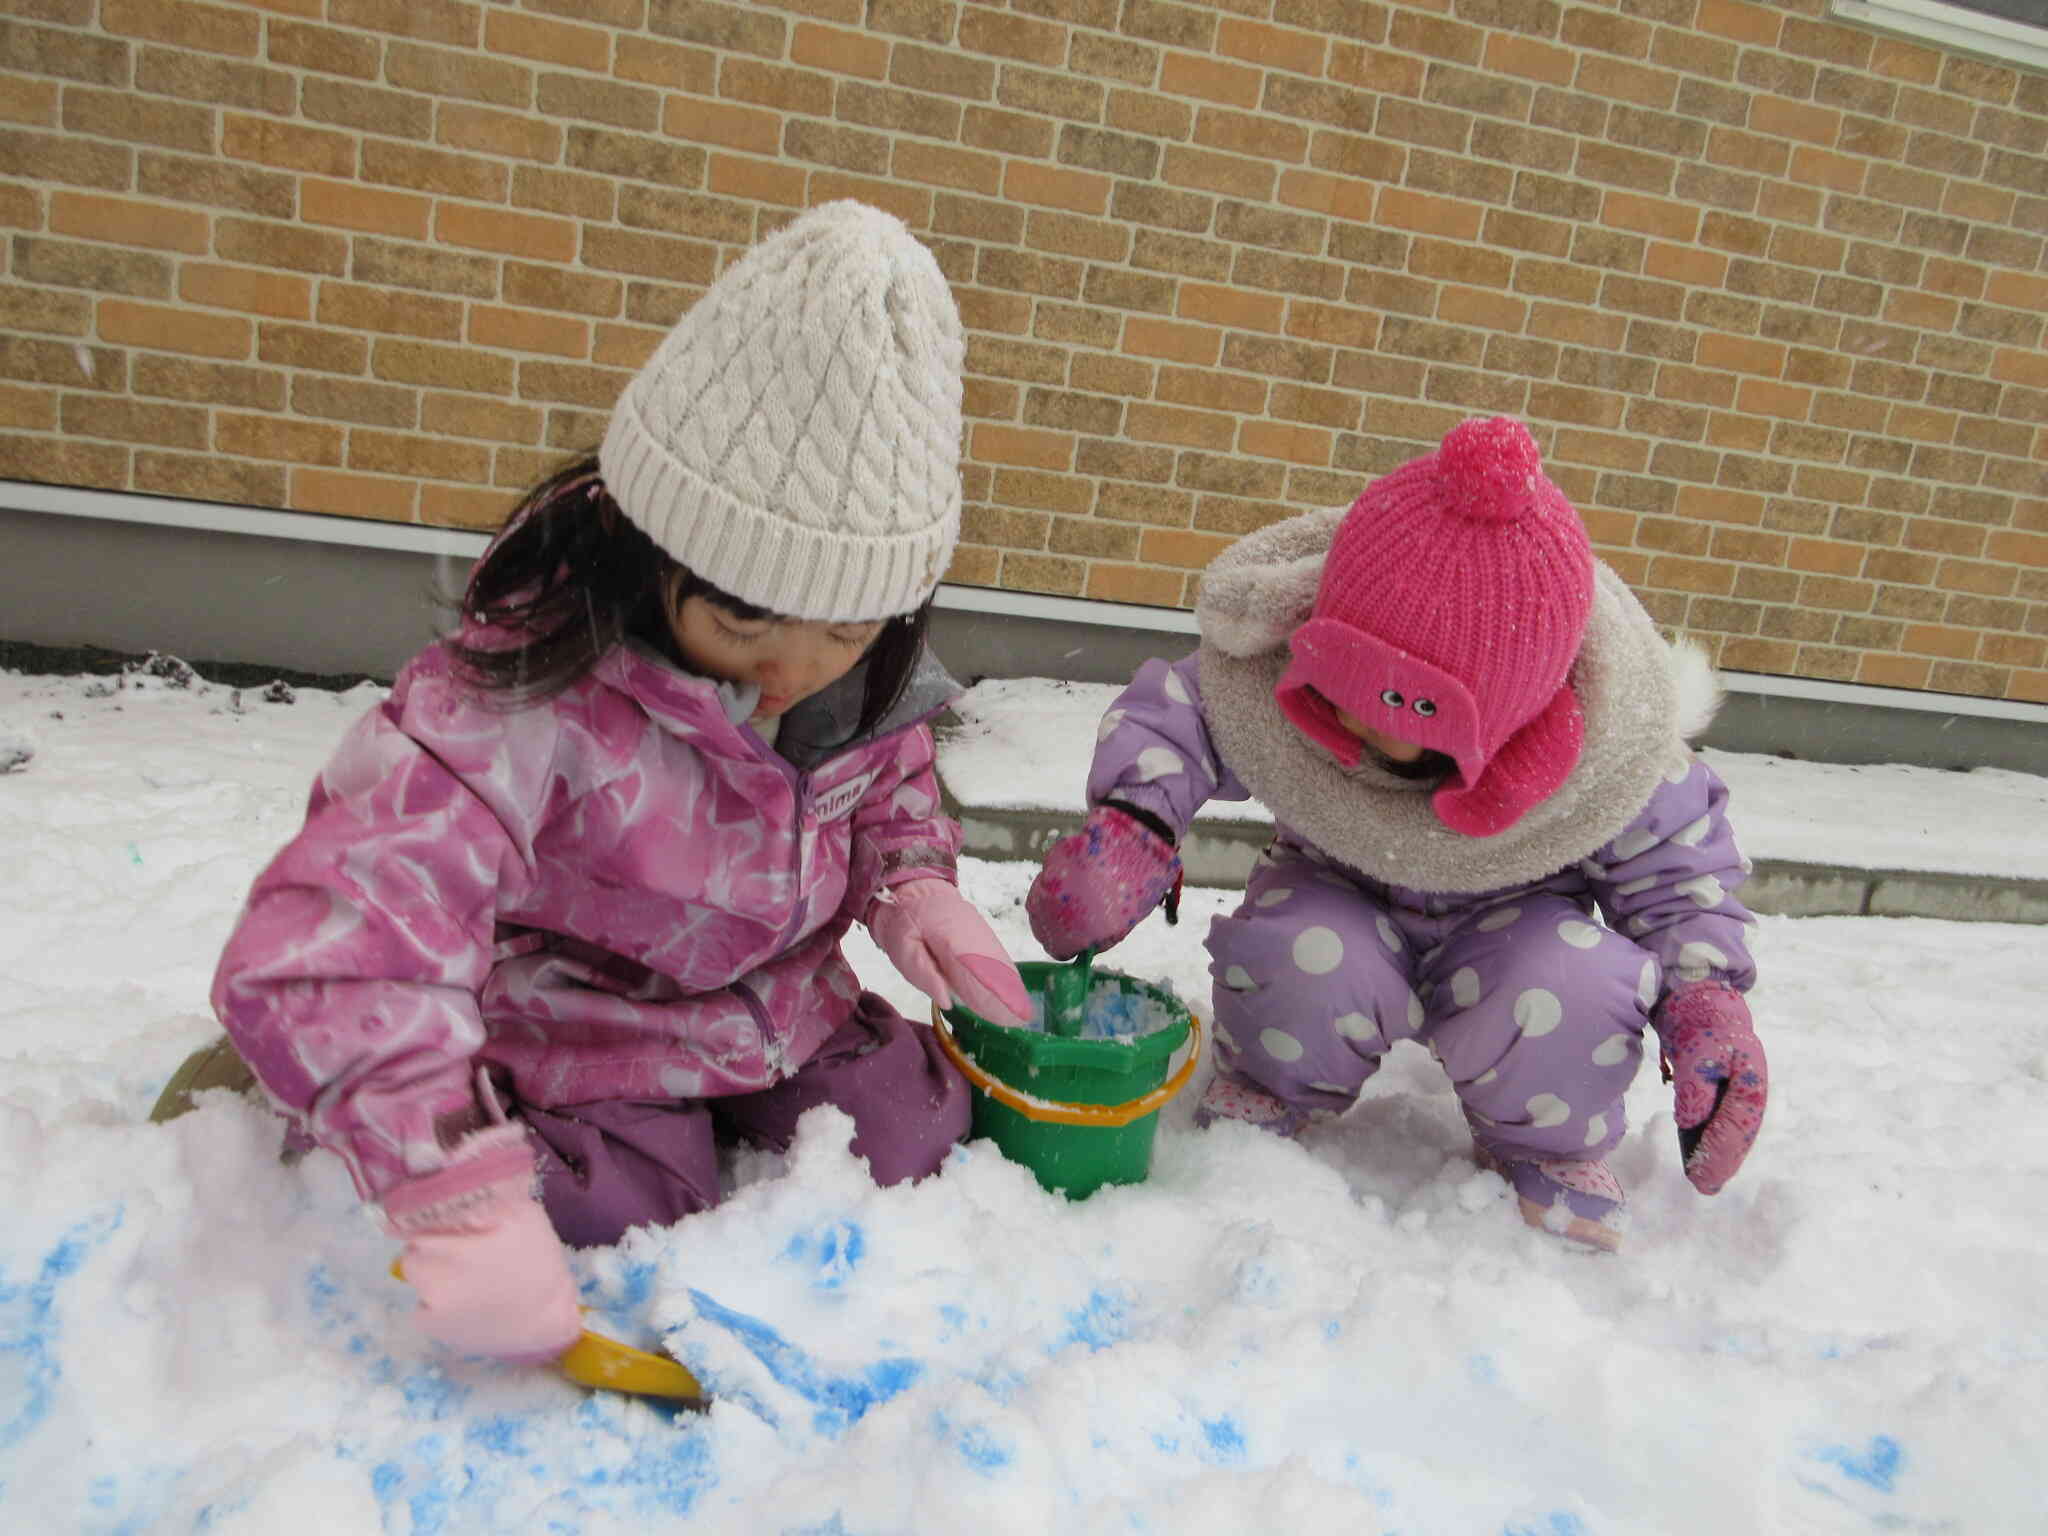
[1449, 613]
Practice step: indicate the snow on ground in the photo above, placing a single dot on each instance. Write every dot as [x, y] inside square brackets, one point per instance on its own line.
[1024, 744]
[1352, 1334]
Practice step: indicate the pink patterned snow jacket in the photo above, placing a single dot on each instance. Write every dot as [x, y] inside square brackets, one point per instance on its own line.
[619, 893]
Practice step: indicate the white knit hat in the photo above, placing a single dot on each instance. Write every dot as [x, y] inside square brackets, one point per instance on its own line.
[795, 440]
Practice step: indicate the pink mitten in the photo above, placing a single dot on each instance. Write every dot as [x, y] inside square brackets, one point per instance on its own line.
[1716, 1064]
[492, 1277]
[1099, 883]
[946, 949]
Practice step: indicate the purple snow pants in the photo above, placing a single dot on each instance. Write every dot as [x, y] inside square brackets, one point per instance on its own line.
[615, 1164]
[1535, 1010]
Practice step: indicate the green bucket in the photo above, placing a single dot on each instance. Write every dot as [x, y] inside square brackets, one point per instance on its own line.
[1078, 1111]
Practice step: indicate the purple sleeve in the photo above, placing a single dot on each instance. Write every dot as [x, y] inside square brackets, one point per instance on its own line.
[1153, 749]
[1668, 882]
[350, 981]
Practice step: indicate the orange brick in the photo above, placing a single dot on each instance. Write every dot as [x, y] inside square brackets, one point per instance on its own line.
[840, 51]
[1940, 640]
[288, 146]
[2028, 687]
[515, 234]
[211, 28]
[28, 101]
[1779, 118]
[1216, 305]
[464, 506]
[1484, 310]
[1341, 197]
[1757, 25]
[552, 42]
[1771, 399]
[1147, 337]
[525, 330]
[276, 294]
[760, 181]
[1825, 556]
[262, 436]
[1134, 584]
[1284, 440]
[126, 323]
[1270, 47]
[2018, 548]
[1026, 446]
[1055, 187]
[125, 221]
[1194, 74]
[1400, 208]
[913, 205]
[1657, 216]
[1339, 325]
[713, 122]
[1740, 354]
[373, 210]
[1179, 547]
[1529, 59]
[1887, 671]
[325, 490]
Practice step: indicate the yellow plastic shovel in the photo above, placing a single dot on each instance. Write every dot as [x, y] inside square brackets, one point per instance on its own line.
[606, 1365]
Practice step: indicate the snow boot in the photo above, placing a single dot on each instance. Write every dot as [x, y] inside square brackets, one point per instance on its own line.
[1576, 1198]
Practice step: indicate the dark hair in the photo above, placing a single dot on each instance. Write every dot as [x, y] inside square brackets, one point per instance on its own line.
[570, 576]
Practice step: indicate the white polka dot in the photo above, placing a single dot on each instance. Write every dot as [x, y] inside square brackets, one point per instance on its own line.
[1464, 986]
[1579, 934]
[1679, 771]
[1280, 1045]
[1389, 934]
[1742, 863]
[1109, 724]
[1612, 1051]
[1596, 1130]
[1636, 887]
[1706, 891]
[1546, 1110]
[1356, 1026]
[680, 1083]
[1646, 984]
[1318, 951]
[1498, 919]
[1632, 842]
[1238, 979]
[1490, 1075]
[1274, 895]
[1538, 1012]
[1591, 870]
[1696, 959]
[1693, 833]
[1474, 1114]
[1415, 1013]
[1175, 689]
[1160, 763]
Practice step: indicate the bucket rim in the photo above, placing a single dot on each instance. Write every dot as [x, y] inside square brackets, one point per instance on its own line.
[1061, 1111]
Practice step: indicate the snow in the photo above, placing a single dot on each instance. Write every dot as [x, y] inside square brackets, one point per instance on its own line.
[1889, 816]
[1354, 1333]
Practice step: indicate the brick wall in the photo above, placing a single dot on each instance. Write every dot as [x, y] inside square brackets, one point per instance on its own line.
[1770, 289]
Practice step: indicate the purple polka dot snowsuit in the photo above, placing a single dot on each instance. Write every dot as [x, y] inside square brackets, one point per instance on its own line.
[1533, 1004]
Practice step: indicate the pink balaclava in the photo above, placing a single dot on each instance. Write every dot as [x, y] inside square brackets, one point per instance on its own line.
[1449, 613]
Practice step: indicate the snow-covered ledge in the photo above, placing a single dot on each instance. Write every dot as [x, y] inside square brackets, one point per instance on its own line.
[323, 593]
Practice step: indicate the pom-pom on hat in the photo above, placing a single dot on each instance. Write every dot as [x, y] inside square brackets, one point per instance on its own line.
[1450, 609]
[795, 439]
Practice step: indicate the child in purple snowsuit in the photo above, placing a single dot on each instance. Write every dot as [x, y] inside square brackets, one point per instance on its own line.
[566, 910]
[1472, 741]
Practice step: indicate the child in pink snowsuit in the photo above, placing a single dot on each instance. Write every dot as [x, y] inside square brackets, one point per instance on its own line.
[1472, 741]
[566, 910]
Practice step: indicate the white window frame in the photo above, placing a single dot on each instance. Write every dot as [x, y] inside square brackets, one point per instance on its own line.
[1953, 26]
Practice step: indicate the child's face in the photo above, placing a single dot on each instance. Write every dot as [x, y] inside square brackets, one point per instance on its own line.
[788, 659]
[1392, 748]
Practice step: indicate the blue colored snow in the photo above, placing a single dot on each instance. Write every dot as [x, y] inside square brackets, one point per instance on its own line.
[1225, 1439]
[834, 1251]
[1877, 1466]
[29, 1327]
[978, 1445]
[1558, 1523]
[842, 1400]
[1100, 1322]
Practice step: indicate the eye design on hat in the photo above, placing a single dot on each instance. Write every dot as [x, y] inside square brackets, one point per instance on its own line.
[1393, 699]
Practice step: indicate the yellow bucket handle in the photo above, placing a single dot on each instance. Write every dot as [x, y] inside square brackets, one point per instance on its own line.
[1057, 1111]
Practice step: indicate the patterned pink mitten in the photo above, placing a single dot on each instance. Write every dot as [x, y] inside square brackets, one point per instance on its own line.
[1099, 883]
[1716, 1065]
[1231, 1097]
[946, 949]
[492, 1276]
